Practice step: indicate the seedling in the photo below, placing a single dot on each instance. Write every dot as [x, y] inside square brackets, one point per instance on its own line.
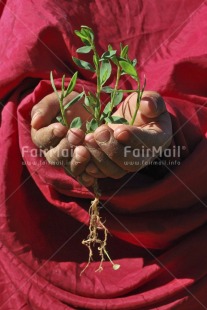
[101, 66]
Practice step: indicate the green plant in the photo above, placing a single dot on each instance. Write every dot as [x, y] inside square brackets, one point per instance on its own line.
[102, 67]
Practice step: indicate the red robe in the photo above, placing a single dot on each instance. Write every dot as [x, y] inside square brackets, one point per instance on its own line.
[157, 217]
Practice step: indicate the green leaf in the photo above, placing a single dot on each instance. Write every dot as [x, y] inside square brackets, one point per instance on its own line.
[83, 37]
[113, 58]
[93, 100]
[62, 88]
[76, 123]
[118, 98]
[74, 100]
[108, 55]
[116, 120]
[84, 49]
[96, 112]
[86, 27]
[107, 108]
[124, 51]
[90, 102]
[87, 31]
[60, 120]
[88, 109]
[110, 48]
[63, 83]
[128, 68]
[91, 126]
[87, 101]
[106, 111]
[105, 71]
[123, 59]
[83, 64]
[107, 89]
[144, 84]
[86, 35]
[53, 85]
[72, 83]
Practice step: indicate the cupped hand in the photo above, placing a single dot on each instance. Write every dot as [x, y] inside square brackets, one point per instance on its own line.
[111, 151]
[52, 137]
[119, 149]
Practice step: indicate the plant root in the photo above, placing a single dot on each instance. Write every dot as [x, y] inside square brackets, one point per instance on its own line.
[93, 239]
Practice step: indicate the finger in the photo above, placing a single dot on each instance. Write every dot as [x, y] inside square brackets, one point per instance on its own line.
[86, 180]
[75, 136]
[102, 160]
[93, 171]
[45, 111]
[48, 136]
[151, 107]
[138, 151]
[112, 149]
[79, 161]
[147, 137]
[153, 121]
[83, 178]
[152, 104]
[60, 154]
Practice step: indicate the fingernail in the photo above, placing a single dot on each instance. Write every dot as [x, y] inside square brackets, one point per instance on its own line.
[103, 136]
[148, 99]
[121, 134]
[37, 113]
[35, 116]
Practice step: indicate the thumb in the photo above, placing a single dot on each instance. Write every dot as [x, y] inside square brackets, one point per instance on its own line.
[152, 105]
[44, 111]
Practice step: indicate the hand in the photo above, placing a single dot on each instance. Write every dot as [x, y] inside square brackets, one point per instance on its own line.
[113, 148]
[152, 127]
[51, 136]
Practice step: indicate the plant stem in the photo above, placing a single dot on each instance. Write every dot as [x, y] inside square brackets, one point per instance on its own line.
[118, 74]
[98, 88]
[125, 90]
[96, 189]
[63, 113]
[137, 103]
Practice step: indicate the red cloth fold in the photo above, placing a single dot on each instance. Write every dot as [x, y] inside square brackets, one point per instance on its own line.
[158, 225]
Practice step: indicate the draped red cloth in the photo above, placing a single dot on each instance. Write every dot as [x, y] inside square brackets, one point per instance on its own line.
[157, 217]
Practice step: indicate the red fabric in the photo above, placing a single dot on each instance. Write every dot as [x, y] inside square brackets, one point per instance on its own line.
[158, 225]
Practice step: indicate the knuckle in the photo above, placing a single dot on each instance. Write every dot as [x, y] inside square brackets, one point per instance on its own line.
[59, 155]
[52, 158]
